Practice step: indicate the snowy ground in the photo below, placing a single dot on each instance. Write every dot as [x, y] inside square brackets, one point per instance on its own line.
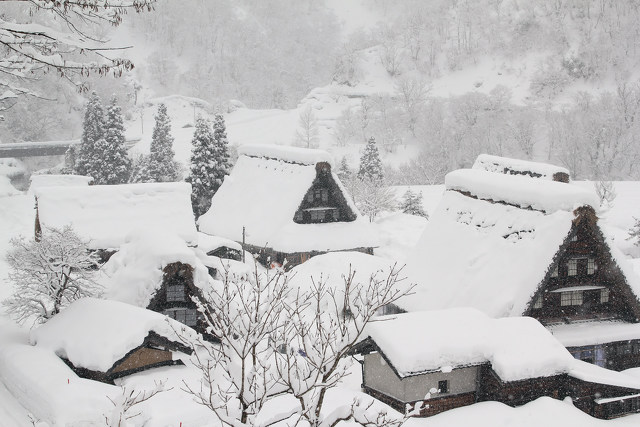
[22, 368]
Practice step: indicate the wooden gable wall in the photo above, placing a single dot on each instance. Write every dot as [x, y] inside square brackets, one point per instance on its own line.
[601, 290]
[324, 201]
[174, 297]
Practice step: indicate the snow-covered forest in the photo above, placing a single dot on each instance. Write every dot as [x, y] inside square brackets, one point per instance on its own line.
[319, 213]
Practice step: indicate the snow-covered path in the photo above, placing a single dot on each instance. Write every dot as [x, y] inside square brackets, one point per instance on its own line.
[12, 414]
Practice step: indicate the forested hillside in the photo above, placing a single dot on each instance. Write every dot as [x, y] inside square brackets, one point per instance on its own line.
[545, 80]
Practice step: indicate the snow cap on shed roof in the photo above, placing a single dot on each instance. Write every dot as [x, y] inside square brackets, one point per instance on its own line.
[94, 334]
[505, 165]
[517, 347]
[106, 214]
[521, 191]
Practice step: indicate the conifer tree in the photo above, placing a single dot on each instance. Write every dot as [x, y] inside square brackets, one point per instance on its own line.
[202, 173]
[222, 159]
[344, 171]
[370, 164]
[117, 164]
[412, 204]
[161, 166]
[88, 158]
[634, 232]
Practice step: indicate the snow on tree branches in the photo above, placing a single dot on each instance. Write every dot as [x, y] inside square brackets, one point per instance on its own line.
[161, 165]
[102, 153]
[87, 158]
[48, 274]
[370, 163]
[32, 49]
[281, 339]
[412, 204]
[115, 153]
[209, 163]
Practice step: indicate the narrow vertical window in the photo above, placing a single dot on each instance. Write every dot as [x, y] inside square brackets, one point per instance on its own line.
[554, 273]
[443, 386]
[591, 266]
[604, 296]
[572, 267]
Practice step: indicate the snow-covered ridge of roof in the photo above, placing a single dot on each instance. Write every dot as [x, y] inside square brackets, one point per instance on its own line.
[303, 156]
[489, 256]
[505, 165]
[521, 191]
[46, 180]
[106, 214]
[517, 347]
[208, 243]
[94, 334]
[134, 273]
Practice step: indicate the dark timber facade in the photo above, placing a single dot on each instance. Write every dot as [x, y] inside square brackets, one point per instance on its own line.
[584, 283]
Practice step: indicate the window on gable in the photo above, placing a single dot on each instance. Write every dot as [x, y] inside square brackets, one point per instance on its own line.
[176, 293]
[571, 298]
[188, 316]
[604, 295]
[554, 273]
[538, 303]
[443, 386]
[574, 238]
[591, 266]
[572, 267]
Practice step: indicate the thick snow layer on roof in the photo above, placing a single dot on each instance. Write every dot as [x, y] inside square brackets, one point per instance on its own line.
[262, 195]
[50, 390]
[506, 165]
[485, 255]
[547, 196]
[95, 334]
[595, 374]
[134, 273]
[517, 347]
[38, 181]
[304, 156]
[207, 243]
[106, 214]
[590, 333]
[334, 267]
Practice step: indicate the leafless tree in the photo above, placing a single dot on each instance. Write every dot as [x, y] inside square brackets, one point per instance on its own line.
[30, 49]
[371, 197]
[307, 134]
[48, 274]
[322, 326]
[125, 402]
[243, 312]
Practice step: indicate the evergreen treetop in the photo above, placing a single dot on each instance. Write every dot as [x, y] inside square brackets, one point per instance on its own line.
[412, 204]
[370, 163]
[87, 158]
[162, 167]
[116, 160]
[202, 168]
[344, 171]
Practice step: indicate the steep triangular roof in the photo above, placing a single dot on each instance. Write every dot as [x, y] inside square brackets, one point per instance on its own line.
[492, 241]
[264, 191]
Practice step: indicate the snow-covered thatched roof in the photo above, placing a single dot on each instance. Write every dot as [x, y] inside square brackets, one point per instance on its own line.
[506, 165]
[106, 214]
[491, 241]
[47, 180]
[94, 334]
[135, 273]
[517, 347]
[263, 193]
